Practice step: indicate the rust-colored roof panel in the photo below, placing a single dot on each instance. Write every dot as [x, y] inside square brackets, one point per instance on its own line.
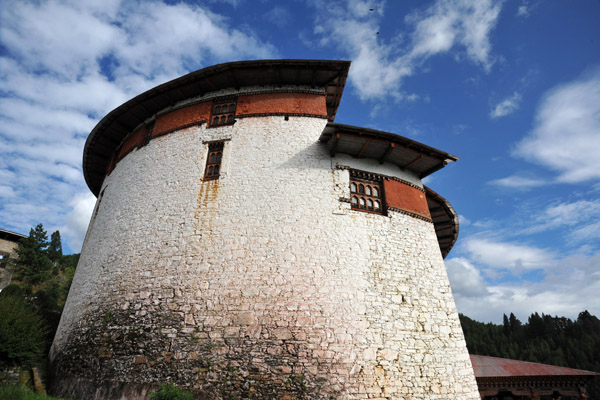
[487, 367]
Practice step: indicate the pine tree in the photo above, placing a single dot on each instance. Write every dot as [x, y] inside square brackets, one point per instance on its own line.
[505, 325]
[33, 265]
[55, 247]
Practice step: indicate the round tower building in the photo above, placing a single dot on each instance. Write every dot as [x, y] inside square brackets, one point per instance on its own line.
[243, 245]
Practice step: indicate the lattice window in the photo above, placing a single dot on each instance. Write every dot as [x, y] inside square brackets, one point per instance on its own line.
[223, 112]
[213, 161]
[366, 192]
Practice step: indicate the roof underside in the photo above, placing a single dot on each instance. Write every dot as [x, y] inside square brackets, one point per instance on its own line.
[114, 127]
[11, 236]
[385, 147]
[445, 220]
[485, 366]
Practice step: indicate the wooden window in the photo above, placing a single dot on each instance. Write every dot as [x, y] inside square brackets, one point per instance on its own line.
[223, 112]
[366, 192]
[213, 161]
[148, 134]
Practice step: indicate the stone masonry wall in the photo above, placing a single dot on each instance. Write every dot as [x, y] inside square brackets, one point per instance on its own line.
[261, 284]
[7, 249]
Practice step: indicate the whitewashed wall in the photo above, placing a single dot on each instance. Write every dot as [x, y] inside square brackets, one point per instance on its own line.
[264, 272]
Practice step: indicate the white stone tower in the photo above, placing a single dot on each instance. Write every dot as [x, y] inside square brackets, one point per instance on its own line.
[245, 246]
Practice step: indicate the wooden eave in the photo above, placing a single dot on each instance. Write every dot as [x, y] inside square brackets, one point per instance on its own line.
[445, 220]
[116, 125]
[387, 147]
[11, 236]
[408, 155]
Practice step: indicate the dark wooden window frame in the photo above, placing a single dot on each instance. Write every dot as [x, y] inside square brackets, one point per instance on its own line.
[366, 192]
[223, 112]
[148, 134]
[213, 161]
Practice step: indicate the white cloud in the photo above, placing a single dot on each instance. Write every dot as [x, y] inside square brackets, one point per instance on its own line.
[464, 221]
[581, 216]
[65, 64]
[589, 232]
[78, 220]
[572, 213]
[571, 297]
[522, 11]
[465, 278]
[566, 135]
[525, 9]
[233, 3]
[451, 22]
[279, 16]
[506, 106]
[378, 68]
[6, 191]
[505, 255]
[565, 285]
[518, 182]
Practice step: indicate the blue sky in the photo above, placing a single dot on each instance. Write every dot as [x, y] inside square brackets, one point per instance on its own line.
[511, 87]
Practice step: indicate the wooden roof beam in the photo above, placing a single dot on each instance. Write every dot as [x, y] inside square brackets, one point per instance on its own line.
[210, 83]
[444, 225]
[363, 148]
[419, 158]
[387, 153]
[431, 170]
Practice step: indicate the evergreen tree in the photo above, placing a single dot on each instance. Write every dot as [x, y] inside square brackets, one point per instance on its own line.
[23, 331]
[33, 266]
[505, 325]
[515, 324]
[55, 247]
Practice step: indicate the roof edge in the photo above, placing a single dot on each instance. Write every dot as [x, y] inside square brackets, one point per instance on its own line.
[530, 365]
[395, 137]
[452, 216]
[11, 235]
[112, 129]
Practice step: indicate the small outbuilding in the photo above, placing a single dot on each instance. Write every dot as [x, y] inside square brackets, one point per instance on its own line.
[9, 241]
[502, 378]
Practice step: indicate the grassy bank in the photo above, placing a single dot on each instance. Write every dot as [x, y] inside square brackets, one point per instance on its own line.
[17, 392]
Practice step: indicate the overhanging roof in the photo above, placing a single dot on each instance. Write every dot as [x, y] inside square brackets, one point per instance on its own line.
[385, 147]
[485, 366]
[445, 220]
[407, 154]
[112, 129]
[11, 236]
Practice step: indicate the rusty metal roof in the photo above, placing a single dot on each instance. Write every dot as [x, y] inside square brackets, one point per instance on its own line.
[112, 129]
[487, 367]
